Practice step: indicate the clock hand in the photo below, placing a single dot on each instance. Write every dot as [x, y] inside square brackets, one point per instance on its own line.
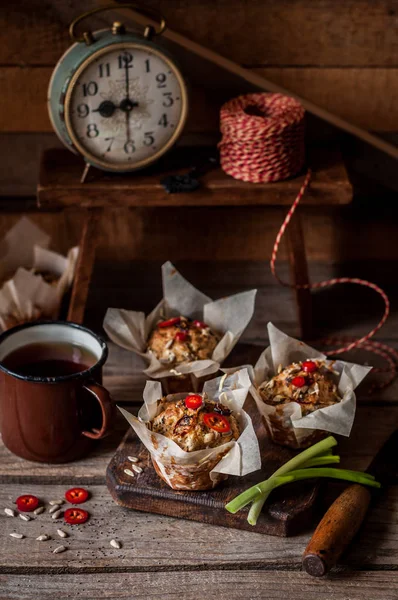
[127, 105]
[126, 70]
[106, 108]
[127, 127]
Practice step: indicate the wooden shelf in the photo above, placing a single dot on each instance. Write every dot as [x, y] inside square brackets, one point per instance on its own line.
[59, 183]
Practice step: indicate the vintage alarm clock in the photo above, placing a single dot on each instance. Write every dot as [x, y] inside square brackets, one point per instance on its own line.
[117, 98]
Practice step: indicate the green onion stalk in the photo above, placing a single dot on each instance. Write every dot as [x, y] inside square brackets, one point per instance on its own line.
[307, 465]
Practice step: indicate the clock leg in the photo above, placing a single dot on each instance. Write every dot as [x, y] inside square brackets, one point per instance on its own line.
[85, 173]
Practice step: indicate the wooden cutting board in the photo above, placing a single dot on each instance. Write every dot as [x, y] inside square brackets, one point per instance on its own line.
[287, 512]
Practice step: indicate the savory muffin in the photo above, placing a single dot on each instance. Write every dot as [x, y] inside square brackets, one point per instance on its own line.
[310, 384]
[180, 339]
[195, 422]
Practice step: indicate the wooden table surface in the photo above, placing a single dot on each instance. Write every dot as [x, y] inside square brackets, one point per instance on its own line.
[164, 557]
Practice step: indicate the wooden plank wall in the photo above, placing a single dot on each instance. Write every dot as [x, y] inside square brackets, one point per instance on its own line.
[342, 55]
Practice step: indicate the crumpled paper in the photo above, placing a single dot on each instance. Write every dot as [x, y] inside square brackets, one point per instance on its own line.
[238, 457]
[227, 316]
[337, 418]
[26, 296]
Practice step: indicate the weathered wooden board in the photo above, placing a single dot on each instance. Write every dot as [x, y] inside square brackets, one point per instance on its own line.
[215, 585]
[355, 94]
[227, 585]
[59, 183]
[287, 32]
[157, 543]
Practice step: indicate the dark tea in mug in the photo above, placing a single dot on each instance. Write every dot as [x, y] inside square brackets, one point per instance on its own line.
[52, 404]
[49, 359]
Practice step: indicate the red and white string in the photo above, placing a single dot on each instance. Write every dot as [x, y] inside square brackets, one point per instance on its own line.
[263, 141]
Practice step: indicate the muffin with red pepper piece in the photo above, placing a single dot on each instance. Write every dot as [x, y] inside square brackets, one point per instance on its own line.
[180, 339]
[194, 423]
[309, 384]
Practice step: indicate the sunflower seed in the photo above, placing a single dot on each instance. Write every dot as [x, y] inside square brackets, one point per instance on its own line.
[19, 536]
[280, 368]
[25, 517]
[9, 512]
[129, 472]
[54, 508]
[136, 468]
[57, 514]
[39, 510]
[62, 533]
[55, 502]
[43, 538]
[59, 549]
[133, 459]
[169, 344]
[115, 544]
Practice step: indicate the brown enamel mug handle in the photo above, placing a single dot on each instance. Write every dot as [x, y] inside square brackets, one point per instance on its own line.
[336, 530]
[107, 410]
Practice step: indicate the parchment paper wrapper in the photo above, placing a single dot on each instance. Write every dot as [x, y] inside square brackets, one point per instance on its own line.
[228, 316]
[201, 469]
[288, 427]
[26, 296]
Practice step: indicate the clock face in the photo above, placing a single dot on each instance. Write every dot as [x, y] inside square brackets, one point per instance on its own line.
[125, 106]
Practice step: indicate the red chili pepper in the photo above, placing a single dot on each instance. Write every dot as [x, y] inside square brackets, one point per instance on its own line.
[170, 322]
[75, 516]
[309, 366]
[200, 324]
[76, 495]
[193, 401]
[181, 336]
[299, 381]
[217, 422]
[27, 503]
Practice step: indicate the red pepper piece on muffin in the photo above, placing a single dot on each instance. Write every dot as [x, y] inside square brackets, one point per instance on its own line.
[169, 322]
[217, 422]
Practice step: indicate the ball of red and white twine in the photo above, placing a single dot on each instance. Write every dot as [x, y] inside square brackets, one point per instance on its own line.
[263, 141]
[262, 137]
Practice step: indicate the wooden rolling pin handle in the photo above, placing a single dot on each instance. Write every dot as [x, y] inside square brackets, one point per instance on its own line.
[336, 530]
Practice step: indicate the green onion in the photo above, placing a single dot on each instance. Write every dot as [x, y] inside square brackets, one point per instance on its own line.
[257, 505]
[297, 461]
[311, 462]
[319, 461]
